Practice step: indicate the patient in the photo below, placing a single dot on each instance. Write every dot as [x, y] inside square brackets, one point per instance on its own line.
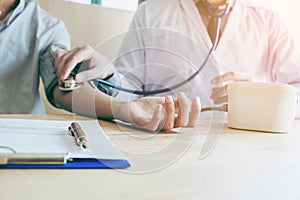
[29, 37]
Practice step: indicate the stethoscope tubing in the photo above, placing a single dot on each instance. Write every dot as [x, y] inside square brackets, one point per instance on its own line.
[218, 17]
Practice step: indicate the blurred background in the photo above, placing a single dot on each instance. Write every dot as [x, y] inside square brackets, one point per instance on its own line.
[94, 21]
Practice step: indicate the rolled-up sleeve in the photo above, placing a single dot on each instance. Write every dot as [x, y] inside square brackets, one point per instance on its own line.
[51, 35]
[48, 71]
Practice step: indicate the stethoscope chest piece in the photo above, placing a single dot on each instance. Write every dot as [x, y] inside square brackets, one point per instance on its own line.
[69, 85]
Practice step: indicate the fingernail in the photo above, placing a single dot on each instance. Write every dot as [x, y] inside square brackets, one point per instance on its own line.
[57, 52]
[169, 99]
[198, 100]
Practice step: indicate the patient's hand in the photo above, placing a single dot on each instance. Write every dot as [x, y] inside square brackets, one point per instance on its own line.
[162, 113]
[219, 92]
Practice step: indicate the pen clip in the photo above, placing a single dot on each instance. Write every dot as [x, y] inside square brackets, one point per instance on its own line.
[71, 131]
[76, 131]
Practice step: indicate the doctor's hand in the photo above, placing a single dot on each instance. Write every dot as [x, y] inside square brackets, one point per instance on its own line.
[66, 61]
[219, 92]
[162, 113]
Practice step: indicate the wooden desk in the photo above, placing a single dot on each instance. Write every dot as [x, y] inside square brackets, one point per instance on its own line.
[243, 165]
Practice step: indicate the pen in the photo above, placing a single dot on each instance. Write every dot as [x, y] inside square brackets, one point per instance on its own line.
[80, 137]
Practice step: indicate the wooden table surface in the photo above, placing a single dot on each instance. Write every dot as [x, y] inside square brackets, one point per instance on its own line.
[241, 165]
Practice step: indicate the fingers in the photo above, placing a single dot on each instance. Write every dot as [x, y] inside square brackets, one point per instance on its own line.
[165, 112]
[66, 61]
[182, 119]
[218, 92]
[169, 113]
[59, 62]
[231, 76]
[194, 117]
[219, 95]
[157, 117]
[146, 112]
[221, 100]
[188, 115]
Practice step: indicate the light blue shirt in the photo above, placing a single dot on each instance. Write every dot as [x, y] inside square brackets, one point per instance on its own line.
[24, 38]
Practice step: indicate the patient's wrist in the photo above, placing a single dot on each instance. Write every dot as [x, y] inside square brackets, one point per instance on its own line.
[120, 111]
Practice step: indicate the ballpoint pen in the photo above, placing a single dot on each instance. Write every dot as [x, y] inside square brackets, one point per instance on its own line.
[80, 137]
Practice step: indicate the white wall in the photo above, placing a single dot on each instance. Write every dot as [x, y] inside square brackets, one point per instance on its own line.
[88, 24]
[121, 4]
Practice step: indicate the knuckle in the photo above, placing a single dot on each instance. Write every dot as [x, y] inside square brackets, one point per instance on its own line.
[63, 71]
[86, 47]
[185, 103]
[226, 98]
[64, 57]
[214, 89]
[61, 77]
[232, 74]
[225, 88]
[72, 58]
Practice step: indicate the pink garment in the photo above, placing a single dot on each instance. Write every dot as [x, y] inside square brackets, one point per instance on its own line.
[254, 41]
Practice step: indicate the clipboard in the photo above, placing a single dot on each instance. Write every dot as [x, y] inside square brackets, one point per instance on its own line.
[76, 164]
[42, 139]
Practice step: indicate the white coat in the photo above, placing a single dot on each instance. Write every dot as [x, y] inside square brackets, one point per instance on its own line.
[254, 40]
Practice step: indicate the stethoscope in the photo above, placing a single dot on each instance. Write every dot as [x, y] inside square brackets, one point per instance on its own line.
[217, 12]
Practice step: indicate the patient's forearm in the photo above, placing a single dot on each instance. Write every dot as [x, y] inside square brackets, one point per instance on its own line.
[89, 102]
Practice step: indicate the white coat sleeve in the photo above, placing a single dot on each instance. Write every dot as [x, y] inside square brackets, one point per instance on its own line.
[130, 62]
[284, 57]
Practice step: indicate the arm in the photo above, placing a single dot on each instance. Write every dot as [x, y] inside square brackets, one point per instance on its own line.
[151, 113]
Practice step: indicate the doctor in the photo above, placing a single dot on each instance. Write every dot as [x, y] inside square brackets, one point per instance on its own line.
[254, 44]
[168, 41]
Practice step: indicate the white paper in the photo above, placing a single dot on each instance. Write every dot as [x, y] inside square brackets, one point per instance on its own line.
[52, 136]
